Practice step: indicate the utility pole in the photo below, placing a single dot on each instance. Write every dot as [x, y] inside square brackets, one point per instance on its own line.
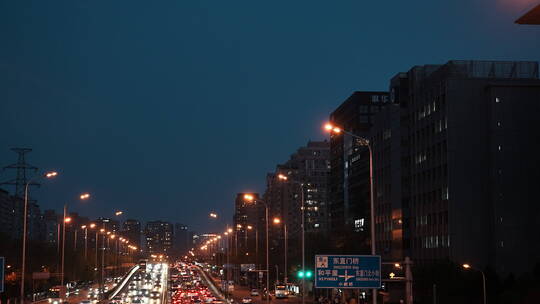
[408, 281]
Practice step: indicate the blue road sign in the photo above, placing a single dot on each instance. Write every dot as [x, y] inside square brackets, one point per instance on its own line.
[2, 274]
[347, 271]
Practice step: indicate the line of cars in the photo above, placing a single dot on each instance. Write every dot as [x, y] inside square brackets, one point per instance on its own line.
[187, 287]
[146, 286]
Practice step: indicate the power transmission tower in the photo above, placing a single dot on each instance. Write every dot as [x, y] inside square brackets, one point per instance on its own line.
[22, 167]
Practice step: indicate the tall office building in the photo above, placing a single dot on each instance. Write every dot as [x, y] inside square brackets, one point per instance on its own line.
[159, 237]
[246, 214]
[11, 215]
[307, 175]
[349, 192]
[455, 162]
[181, 239]
[51, 226]
[131, 230]
[108, 224]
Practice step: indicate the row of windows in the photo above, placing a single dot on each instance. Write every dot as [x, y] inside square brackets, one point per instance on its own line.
[426, 110]
[431, 219]
[436, 241]
[437, 127]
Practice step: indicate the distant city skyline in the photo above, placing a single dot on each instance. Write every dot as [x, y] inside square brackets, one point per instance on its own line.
[158, 108]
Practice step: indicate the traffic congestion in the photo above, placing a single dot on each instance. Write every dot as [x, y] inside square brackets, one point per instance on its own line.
[188, 287]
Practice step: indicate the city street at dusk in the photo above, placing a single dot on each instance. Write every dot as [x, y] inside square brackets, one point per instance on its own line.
[269, 152]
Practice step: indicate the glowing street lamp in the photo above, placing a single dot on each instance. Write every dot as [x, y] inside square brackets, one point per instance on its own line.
[249, 198]
[48, 175]
[277, 221]
[118, 213]
[469, 267]
[67, 220]
[213, 215]
[329, 127]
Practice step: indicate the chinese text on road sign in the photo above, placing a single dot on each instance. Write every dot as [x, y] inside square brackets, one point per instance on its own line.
[347, 271]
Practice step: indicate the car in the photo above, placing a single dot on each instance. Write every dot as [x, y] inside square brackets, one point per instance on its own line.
[254, 292]
[246, 300]
[217, 302]
[85, 302]
[154, 295]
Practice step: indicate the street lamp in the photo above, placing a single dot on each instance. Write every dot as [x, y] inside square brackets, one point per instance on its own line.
[467, 267]
[49, 175]
[213, 215]
[65, 221]
[249, 227]
[251, 199]
[284, 177]
[277, 221]
[363, 142]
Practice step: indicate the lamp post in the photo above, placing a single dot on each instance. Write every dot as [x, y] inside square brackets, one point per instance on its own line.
[251, 198]
[277, 221]
[65, 221]
[228, 233]
[467, 267]
[285, 178]
[85, 241]
[48, 175]
[92, 226]
[363, 142]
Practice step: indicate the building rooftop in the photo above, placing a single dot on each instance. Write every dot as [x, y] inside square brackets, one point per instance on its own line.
[532, 17]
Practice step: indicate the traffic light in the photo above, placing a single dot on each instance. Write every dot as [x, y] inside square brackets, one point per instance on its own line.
[307, 274]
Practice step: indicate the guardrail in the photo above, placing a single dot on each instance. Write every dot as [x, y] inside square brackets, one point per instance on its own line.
[123, 283]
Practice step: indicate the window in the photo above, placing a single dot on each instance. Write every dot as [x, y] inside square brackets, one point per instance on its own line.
[444, 193]
[364, 109]
[364, 118]
[497, 100]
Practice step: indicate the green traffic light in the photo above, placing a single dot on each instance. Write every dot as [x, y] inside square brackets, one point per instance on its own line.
[300, 274]
[308, 274]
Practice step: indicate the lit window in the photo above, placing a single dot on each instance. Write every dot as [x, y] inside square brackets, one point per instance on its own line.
[500, 148]
[498, 123]
[497, 100]
[445, 193]
[316, 225]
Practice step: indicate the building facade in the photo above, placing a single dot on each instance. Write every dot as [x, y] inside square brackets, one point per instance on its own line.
[159, 237]
[349, 192]
[454, 160]
[131, 230]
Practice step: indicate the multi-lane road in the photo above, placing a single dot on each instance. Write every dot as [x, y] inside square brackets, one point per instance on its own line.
[145, 285]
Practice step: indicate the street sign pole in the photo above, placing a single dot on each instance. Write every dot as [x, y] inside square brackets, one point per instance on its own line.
[2, 267]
